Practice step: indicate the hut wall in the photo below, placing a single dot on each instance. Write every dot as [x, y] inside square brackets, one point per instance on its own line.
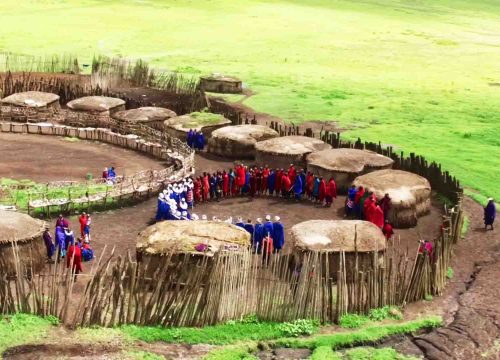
[230, 148]
[30, 252]
[405, 217]
[221, 86]
[279, 160]
[181, 135]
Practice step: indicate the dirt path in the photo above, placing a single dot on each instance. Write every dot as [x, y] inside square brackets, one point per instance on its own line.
[471, 304]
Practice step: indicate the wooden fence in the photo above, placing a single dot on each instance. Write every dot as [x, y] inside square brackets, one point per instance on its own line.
[194, 291]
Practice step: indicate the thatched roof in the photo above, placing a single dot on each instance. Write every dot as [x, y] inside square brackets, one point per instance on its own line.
[291, 145]
[404, 188]
[144, 114]
[196, 121]
[337, 235]
[95, 103]
[183, 236]
[245, 134]
[348, 160]
[19, 227]
[31, 99]
[220, 77]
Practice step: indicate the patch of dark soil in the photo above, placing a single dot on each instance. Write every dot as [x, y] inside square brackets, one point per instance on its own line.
[176, 351]
[53, 351]
[284, 354]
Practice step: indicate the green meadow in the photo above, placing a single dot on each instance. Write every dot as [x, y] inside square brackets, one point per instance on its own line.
[421, 75]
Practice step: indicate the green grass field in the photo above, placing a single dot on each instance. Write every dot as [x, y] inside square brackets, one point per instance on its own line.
[416, 74]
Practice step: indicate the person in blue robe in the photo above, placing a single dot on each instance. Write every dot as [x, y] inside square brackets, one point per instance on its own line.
[490, 212]
[302, 175]
[212, 182]
[69, 238]
[111, 173]
[190, 138]
[250, 229]
[351, 193]
[278, 235]
[60, 241]
[159, 207]
[232, 177]
[240, 223]
[200, 141]
[246, 187]
[258, 235]
[271, 182]
[297, 188]
[317, 181]
[268, 227]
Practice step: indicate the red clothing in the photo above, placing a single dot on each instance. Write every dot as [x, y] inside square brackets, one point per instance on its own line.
[197, 190]
[253, 184]
[377, 216]
[331, 189]
[206, 187]
[77, 258]
[322, 190]
[359, 195]
[240, 175]
[83, 222]
[368, 208]
[385, 204]
[309, 183]
[427, 247]
[292, 173]
[286, 183]
[279, 178]
[388, 231]
[225, 183]
[105, 174]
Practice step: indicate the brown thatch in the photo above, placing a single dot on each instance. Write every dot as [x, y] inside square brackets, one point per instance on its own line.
[239, 141]
[96, 104]
[27, 233]
[207, 123]
[343, 164]
[182, 237]
[144, 114]
[283, 151]
[35, 99]
[410, 194]
[338, 235]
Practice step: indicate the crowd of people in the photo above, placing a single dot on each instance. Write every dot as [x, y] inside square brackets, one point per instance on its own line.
[195, 139]
[109, 175]
[65, 245]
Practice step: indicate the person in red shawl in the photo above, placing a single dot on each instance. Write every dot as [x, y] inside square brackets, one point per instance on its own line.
[377, 215]
[331, 192]
[292, 173]
[286, 185]
[388, 230]
[197, 190]
[322, 190]
[357, 199]
[74, 256]
[225, 183]
[309, 185]
[267, 249]
[279, 178]
[258, 179]
[265, 176]
[240, 177]
[368, 208]
[82, 219]
[385, 204]
[206, 186]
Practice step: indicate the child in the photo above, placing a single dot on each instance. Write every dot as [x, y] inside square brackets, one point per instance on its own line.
[86, 229]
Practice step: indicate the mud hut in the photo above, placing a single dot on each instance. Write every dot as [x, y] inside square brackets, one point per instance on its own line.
[27, 233]
[333, 236]
[149, 115]
[206, 122]
[344, 164]
[197, 238]
[35, 106]
[239, 141]
[286, 150]
[93, 111]
[219, 83]
[410, 194]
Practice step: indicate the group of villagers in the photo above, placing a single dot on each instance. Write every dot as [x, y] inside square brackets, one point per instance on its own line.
[195, 139]
[63, 245]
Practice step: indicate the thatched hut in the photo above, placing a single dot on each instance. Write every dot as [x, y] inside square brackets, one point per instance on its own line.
[35, 106]
[149, 115]
[196, 238]
[344, 164]
[410, 194]
[239, 141]
[206, 122]
[93, 111]
[219, 83]
[354, 237]
[286, 150]
[27, 233]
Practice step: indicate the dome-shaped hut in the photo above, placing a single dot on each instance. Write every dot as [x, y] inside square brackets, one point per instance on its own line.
[35, 106]
[286, 150]
[93, 110]
[151, 116]
[335, 236]
[410, 194]
[206, 122]
[344, 164]
[27, 233]
[221, 84]
[196, 238]
[239, 141]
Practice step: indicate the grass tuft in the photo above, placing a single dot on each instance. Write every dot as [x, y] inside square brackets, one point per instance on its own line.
[324, 353]
[21, 329]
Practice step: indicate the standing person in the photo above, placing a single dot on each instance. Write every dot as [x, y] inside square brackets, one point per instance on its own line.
[331, 192]
[265, 179]
[253, 183]
[271, 182]
[82, 219]
[241, 177]
[240, 223]
[62, 222]
[258, 235]
[278, 234]
[86, 231]
[69, 237]
[219, 186]
[267, 249]
[232, 182]
[316, 184]
[278, 187]
[190, 195]
[490, 212]
[75, 257]
[357, 202]
[197, 190]
[206, 186]
[111, 173]
[268, 227]
[225, 184]
[426, 248]
[286, 186]
[105, 173]
[303, 177]
[309, 185]
[297, 188]
[292, 173]
[49, 244]
[377, 215]
[387, 230]
[250, 229]
[322, 190]
[61, 241]
[362, 202]
[189, 139]
[385, 205]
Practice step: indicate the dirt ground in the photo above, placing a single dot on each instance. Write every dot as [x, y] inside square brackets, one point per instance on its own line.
[50, 158]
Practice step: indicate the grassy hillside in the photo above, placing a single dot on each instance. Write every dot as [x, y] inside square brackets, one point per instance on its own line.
[416, 74]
